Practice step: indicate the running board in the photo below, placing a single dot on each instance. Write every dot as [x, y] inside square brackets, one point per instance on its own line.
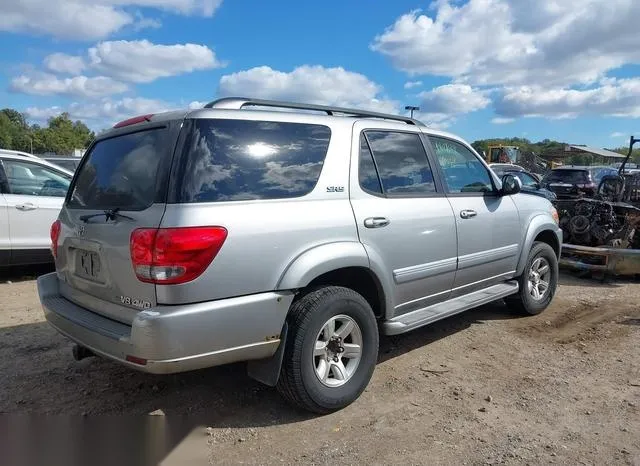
[430, 314]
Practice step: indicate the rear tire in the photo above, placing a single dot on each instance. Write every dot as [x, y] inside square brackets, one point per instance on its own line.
[538, 282]
[323, 370]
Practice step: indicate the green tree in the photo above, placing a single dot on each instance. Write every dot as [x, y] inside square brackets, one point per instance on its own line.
[61, 135]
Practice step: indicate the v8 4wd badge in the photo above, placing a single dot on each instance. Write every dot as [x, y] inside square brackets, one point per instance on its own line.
[128, 301]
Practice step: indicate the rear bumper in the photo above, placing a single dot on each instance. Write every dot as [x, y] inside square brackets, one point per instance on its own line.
[174, 338]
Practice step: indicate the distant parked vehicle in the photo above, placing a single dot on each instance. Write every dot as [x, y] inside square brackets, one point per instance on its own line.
[575, 182]
[530, 182]
[68, 163]
[32, 191]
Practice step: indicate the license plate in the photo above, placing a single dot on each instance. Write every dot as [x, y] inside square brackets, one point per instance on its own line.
[88, 265]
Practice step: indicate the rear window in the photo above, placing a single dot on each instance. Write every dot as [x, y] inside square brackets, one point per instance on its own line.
[567, 176]
[121, 171]
[233, 160]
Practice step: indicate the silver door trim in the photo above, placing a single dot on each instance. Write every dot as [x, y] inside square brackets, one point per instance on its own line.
[420, 271]
[491, 255]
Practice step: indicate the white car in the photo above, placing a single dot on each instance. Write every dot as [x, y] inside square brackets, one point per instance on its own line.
[32, 191]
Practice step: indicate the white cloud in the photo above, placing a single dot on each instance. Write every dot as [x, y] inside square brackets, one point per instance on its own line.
[90, 20]
[502, 120]
[63, 63]
[105, 112]
[412, 84]
[617, 134]
[619, 98]
[196, 104]
[453, 99]
[309, 84]
[81, 86]
[514, 42]
[142, 61]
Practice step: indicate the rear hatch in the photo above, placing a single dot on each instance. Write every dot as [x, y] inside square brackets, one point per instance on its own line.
[120, 186]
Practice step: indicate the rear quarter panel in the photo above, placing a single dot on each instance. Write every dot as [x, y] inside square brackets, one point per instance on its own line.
[266, 236]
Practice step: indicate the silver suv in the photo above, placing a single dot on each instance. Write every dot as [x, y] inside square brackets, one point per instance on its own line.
[289, 239]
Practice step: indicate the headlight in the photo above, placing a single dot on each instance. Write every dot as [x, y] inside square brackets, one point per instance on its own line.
[554, 214]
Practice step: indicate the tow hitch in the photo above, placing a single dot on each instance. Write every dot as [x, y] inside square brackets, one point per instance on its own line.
[80, 352]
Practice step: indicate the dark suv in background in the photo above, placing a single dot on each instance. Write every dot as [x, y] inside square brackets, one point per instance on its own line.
[575, 182]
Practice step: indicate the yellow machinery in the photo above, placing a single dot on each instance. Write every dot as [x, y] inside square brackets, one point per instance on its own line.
[501, 153]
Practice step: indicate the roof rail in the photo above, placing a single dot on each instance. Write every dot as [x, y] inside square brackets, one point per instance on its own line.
[236, 103]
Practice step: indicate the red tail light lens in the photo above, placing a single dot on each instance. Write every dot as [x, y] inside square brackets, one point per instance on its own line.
[54, 233]
[169, 256]
[133, 121]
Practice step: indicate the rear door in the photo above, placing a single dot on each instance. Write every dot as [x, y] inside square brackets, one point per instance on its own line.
[125, 175]
[33, 197]
[404, 219]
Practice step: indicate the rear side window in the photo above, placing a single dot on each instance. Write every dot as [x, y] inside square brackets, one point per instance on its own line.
[401, 163]
[234, 160]
[368, 175]
[121, 172]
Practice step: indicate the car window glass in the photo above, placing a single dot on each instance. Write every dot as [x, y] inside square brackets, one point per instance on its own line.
[367, 173]
[121, 171]
[401, 162]
[463, 172]
[234, 160]
[528, 181]
[31, 179]
[567, 176]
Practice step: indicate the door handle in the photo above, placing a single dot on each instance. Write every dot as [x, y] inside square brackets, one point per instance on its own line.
[468, 213]
[26, 206]
[376, 222]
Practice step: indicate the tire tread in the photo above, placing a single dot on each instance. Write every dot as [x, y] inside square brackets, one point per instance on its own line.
[290, 383]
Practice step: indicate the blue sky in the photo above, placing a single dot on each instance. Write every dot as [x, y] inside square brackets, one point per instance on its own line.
[479, 68]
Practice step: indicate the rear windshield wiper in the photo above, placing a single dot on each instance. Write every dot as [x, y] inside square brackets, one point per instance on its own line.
[110, 214]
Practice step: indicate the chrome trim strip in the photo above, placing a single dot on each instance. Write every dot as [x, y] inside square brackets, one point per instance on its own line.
[420, 271]
[484, 257]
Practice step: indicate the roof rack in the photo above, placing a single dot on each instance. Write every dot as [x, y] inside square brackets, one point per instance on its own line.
[236, 103]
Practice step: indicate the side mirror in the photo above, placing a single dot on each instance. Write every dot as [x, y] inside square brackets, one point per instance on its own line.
[510, 185]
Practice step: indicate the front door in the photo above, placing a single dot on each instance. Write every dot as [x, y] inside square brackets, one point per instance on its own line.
[488, 224]
[404, 220]
[34, 199]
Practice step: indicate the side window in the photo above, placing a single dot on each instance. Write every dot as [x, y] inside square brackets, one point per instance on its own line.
[463, 172]
[235, 160]
[367, 173]
[401, 163]
[527, 180]
[31, 179]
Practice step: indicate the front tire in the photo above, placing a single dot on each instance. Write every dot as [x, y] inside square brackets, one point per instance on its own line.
[538, 282]
[331, 350]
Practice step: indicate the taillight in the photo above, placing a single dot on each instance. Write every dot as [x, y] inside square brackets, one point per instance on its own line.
[54, 233]
[169, 256]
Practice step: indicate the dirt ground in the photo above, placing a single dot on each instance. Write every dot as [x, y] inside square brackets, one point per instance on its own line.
[483, 387]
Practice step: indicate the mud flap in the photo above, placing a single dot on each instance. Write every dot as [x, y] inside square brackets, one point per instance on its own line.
[267, 371]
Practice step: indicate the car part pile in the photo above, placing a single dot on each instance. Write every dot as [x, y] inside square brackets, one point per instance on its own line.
[592, 222]
[603, 234]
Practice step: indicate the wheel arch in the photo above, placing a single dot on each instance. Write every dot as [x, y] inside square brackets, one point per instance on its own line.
[341, 264]
[541, 228]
